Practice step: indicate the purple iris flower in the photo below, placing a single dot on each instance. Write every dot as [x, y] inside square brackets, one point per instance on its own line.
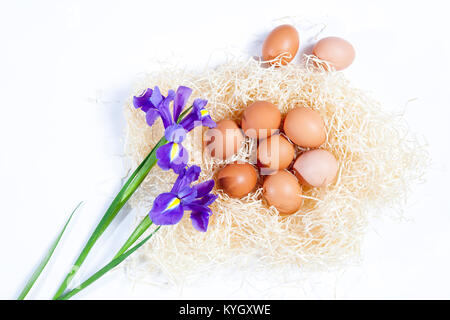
[173, 155]
[168, 208]
[198, 115]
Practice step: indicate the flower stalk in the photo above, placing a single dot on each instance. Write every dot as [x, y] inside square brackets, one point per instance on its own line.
[117, 204]
[168, 208]
[137, 233]
[113, 263]
[119, 201]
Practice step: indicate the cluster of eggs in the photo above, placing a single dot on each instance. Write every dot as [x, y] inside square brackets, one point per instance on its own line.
[283, 43]
[284, 173]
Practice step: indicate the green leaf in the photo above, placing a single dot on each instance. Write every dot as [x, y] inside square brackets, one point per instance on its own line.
[115, 262]
[184, 113]
[119, 201]
[140, 229]
[46, 259]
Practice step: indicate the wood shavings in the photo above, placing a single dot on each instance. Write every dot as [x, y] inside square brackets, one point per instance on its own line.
[379, 162]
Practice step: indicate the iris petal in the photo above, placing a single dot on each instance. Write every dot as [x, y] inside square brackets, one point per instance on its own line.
[185, 178]
[205, 200]
[143, 101]
[186, 191]
[196, 208]
[174, 151]
[200, 221]
[179, 183]
[199, 216]
[175, 133]
[198, 116]
[187, 194]
[181, 97]
[208, 199]
[164, 109]
[172, 156]
[207, 121]
[204, 188]
[200, 103]
[151, 116]
[167, 209]
[192, 174]
[189, 120]
[156, 97]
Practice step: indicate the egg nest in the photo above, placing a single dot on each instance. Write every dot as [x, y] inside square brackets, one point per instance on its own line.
[379, 160]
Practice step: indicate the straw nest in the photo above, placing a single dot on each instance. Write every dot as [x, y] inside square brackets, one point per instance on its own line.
[378, 162]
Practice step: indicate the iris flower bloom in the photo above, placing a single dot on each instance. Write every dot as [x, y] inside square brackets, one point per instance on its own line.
[168, 208]
[173, 155]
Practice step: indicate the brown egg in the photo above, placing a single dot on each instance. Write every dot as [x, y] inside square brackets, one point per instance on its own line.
[261, 119]
[336, 51]
[283, 40]
[305, 127]
[316, 168]
[283, 191]
[237, 179]
[224, 140]
[275, 152]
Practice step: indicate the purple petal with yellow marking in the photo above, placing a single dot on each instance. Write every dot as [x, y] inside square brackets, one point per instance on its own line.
[167, 209]
[200, 103]
[199, 116]
[172, 156]
[187, 194]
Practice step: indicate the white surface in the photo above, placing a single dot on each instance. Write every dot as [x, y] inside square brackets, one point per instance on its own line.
[67, 66]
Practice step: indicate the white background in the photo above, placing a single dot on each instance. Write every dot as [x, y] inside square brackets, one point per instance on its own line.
[66, 68]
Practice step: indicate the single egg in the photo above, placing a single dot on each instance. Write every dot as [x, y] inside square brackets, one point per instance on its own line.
[316, 168]
[260, 120]
[305, 127]
[283, 191]
[283, 40]
[275, 152]
[336, 51]
[237, 179]
[224, 140]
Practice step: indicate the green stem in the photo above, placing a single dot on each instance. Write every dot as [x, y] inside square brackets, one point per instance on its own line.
[113, 263]
[46, 259]
[140, 229]
[119, 201]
